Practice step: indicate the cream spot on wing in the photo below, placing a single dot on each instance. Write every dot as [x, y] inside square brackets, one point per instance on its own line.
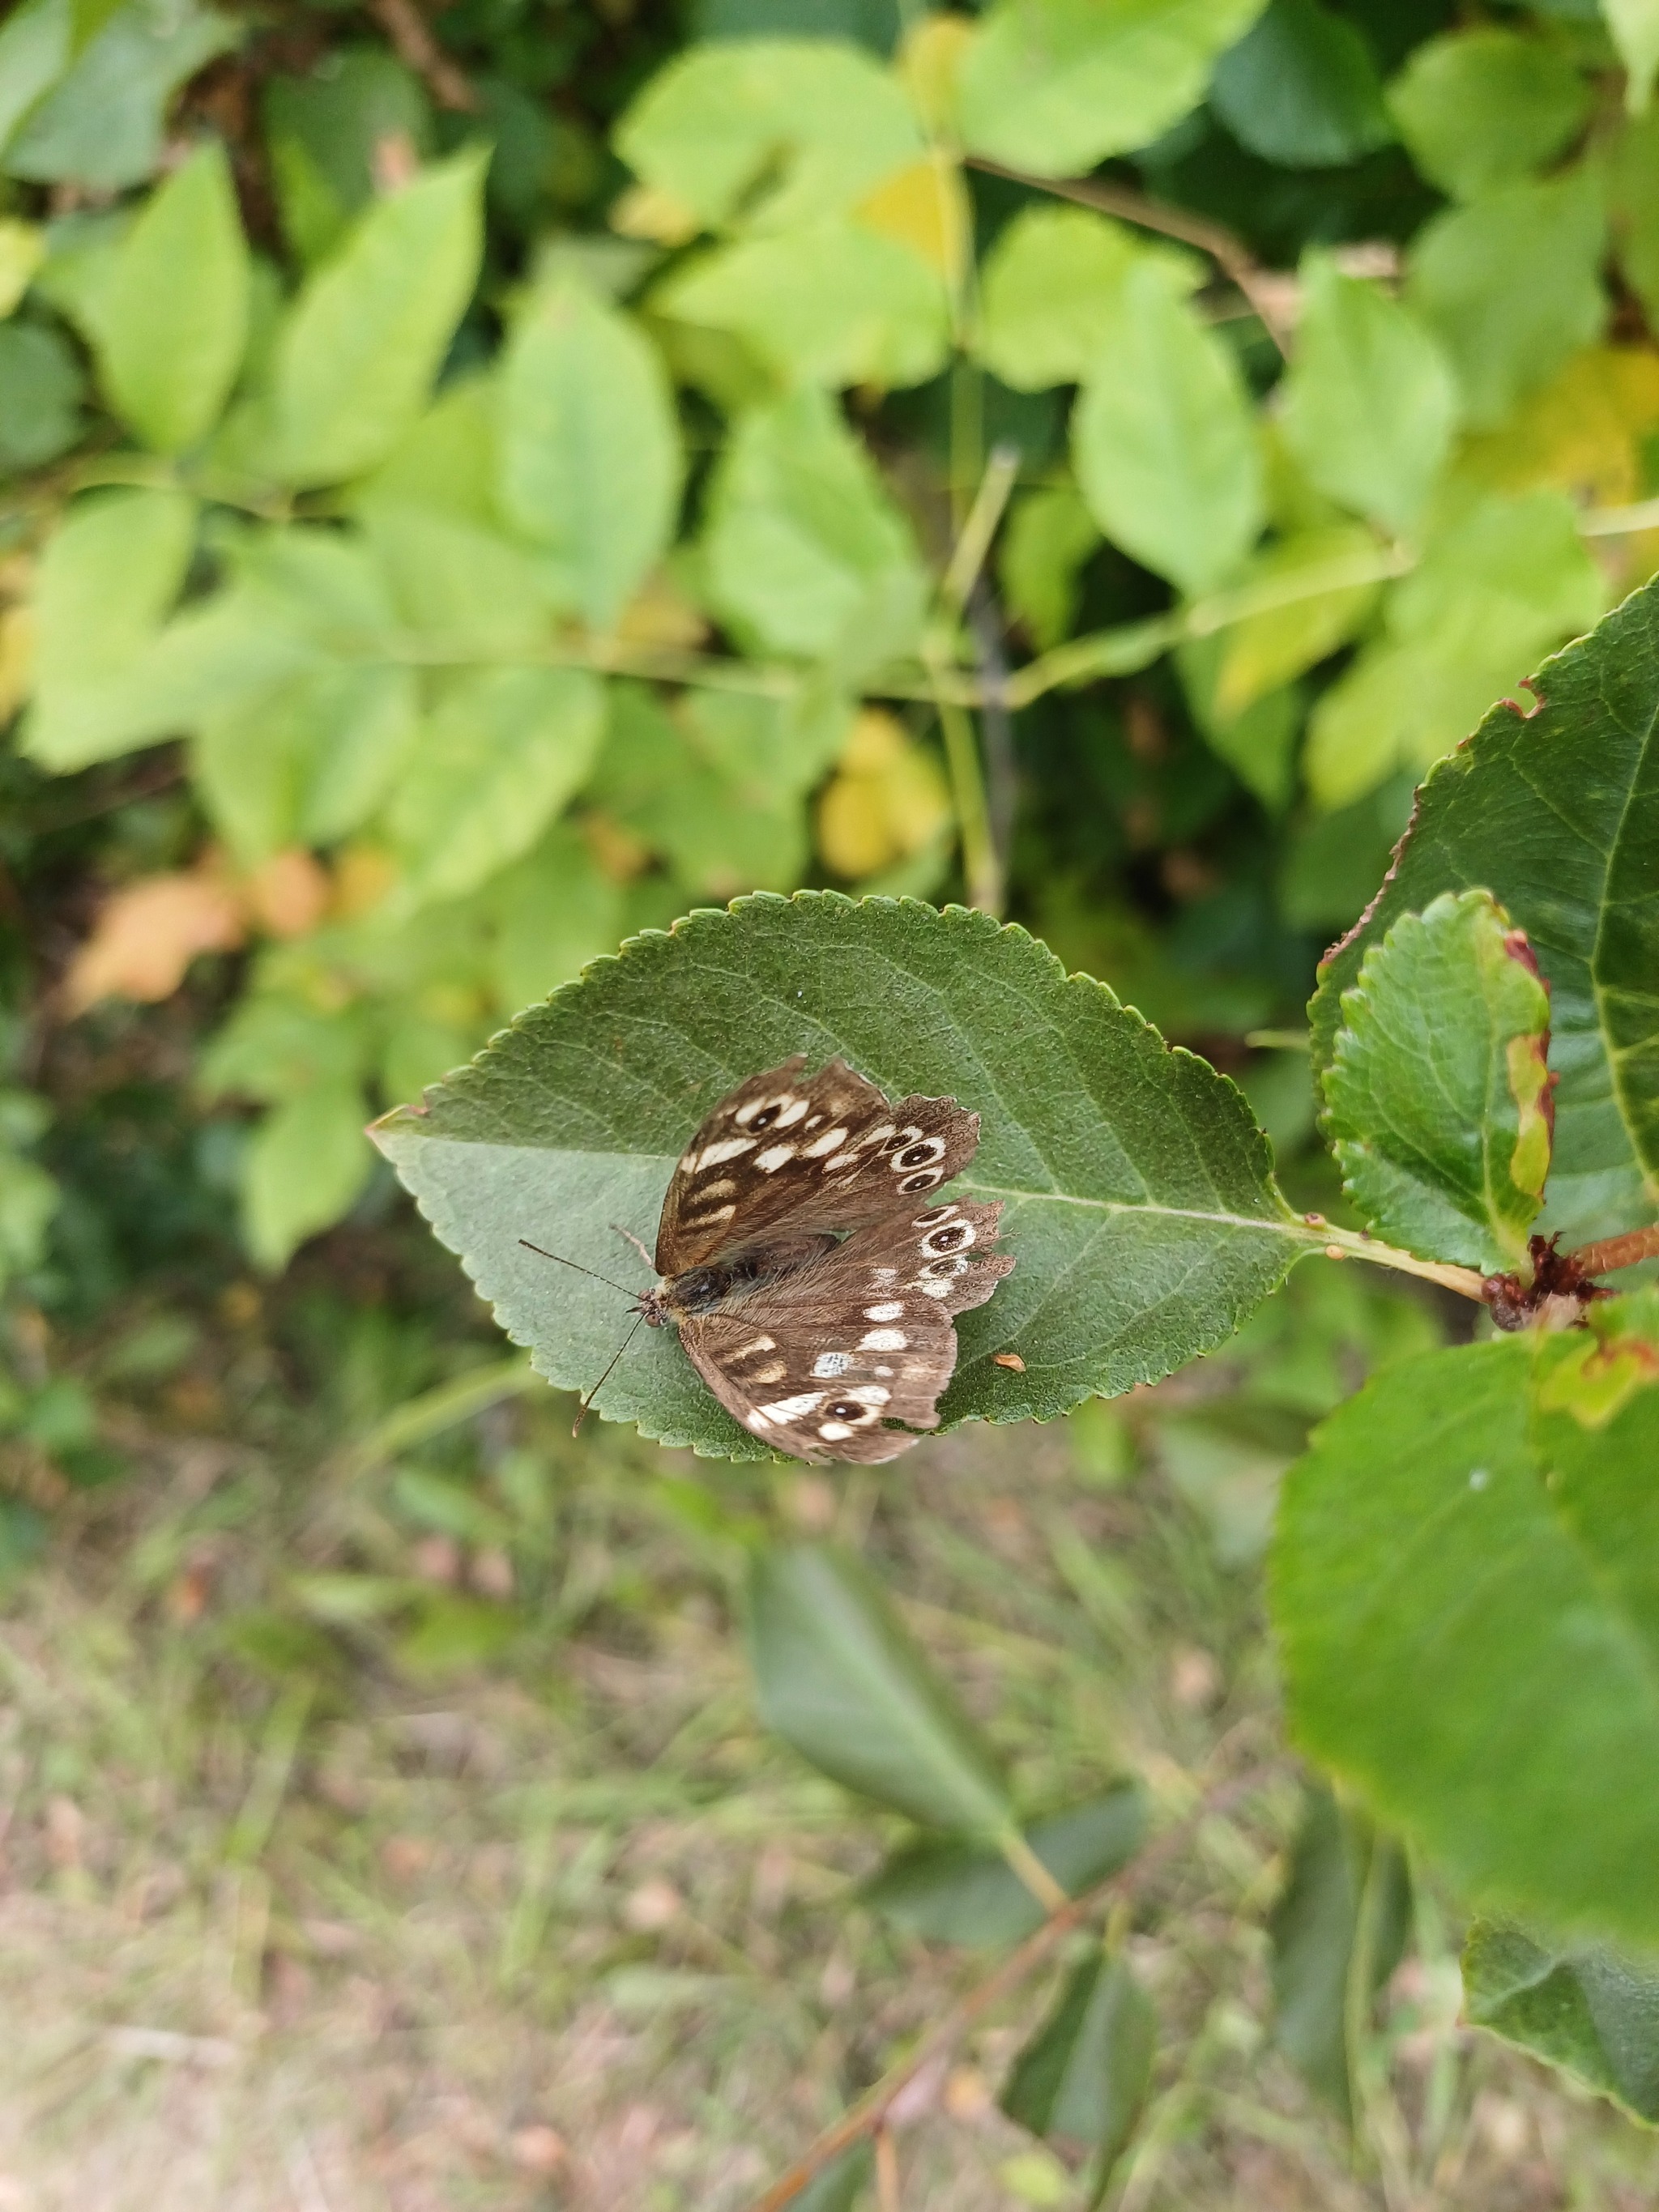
[827, 1143]
[934, 1290]
[757, 1420]
[687, 1162]
[884, 1370]
[785, 1410]
[707, 1220]
[772, 1373]
[812, 1120]
[832, 1363]
[881, 1275]
[889, 1311]
[867, 1394]
[718, 1188]
[724, 1148]
[791, 1113]
[834, 1431]
[759, 1344]
[884, 1340]
[774, 1158]
[879, 1135]
[838, 1162]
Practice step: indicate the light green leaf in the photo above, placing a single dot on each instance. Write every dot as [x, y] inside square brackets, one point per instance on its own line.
[175, 319]
[1052, 293]
[1083, 2076]
[804, 551]
[468, 592]
[1437, 1098]
[1591, 2011]
[831, 303]
[1496, 588]
[957, 1893]
[589, 451]
[1050, 534]
[1346, 1885]
[448, 464]
[100, 124]
[1055, 86]
[839, 1677]
[1554, 813]
[1300, 88]
[499, 756]
[1267, 650]
[1163, 440]
[1453, 1647]
[1138, 1202]
[309, 760]
[22, 249]
[1512, 287]
[1482, 108]
[304, 1163]
[109, 575]
[552, 912]
[1635, 27]
[36, 42]
[1370, 403]
[357, 358]
[770, 132]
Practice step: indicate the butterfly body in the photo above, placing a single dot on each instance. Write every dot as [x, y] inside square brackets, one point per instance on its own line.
[811, 1273]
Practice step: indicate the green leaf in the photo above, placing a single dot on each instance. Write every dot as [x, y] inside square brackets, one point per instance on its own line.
[357, 358]
[1084, 2075]
[770, 132]
[100, 124]
[500, 754]
[1496, 588]
[1484, 108]
[1052, 293]
[322, 130]
[1345, 1885]
[1050, 534]
[36, 42]
[1300, 88]
[839, 1677]
[468, 592]
[1164, 443]
[108, 576]
[836, 2187]
[1055, 86]
[804, 552]
[1370, 403]
[1452, 1645]
[552, 912]
[41, 389]
[1634, 186]
[1556, 814]
[955, 1892]
[307, 761]
[1267, 650]
[589, 451]
[1512, 287]
[1592, 2011]
[304, 1163]
[833, 302]
[175, 320]
[1635, 27]
[1139, 1201]
[1437, 1095]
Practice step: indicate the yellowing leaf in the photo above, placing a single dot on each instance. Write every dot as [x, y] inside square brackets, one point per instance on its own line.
[925, 208]
[289, 894]
[1268, 649]
[887, 801]
[1584, 431]
[660, 614]
[927, 64]
[149, 933]
[650, 212]
[22, 249]
[17, 658]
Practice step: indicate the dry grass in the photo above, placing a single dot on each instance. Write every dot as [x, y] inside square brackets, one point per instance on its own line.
[303, 1915]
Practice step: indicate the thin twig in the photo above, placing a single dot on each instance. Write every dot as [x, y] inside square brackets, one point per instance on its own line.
[1229, 252]
[869, 2115]
[1613, 1252]
[412, 41]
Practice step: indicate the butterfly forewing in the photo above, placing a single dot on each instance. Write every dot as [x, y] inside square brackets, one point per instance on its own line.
[813, 1152]
[818, 1360]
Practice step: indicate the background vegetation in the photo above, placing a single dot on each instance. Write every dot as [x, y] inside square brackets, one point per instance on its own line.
[480, 485]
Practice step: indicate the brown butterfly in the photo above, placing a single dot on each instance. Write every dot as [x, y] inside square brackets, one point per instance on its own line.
[809, 1268]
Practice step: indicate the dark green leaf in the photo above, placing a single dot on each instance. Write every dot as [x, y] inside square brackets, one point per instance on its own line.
[1556, 814]
[41, 388]
[1436, 1096]
[839, 1677]
[955, 1894]
[1588, 2008]
[836, 2188]
[1345, 1885]
[1452, 1641]
[1083, 2077]
[1139, 1205]
[323, 130]
[1301, 88]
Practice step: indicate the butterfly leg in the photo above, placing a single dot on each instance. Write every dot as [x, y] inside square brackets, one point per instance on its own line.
[635, 1242]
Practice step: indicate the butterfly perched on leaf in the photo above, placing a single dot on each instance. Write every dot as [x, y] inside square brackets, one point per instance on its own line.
[813, 1265]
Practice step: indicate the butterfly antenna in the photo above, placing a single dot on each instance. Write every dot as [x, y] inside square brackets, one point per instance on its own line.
[577, 1265]
[581, 1410]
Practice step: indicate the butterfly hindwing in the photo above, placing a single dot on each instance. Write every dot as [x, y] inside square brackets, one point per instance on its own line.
[818, 1360]
[822, 1151]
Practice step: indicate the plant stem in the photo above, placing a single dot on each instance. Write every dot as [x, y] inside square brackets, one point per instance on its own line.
[980, 865]
[1029, 1867]
[1354, 1244]
[1613, 1252]
[868, 2116]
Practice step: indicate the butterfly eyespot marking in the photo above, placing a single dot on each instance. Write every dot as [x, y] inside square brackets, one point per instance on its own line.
[923, 1179]
[943, 1270]
[888, 1309]
[771, 1113]
[785, 1410]
[922, 1154]
[953, 1237]
[828, 1365]
[883, 1339]
[933, 1216]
